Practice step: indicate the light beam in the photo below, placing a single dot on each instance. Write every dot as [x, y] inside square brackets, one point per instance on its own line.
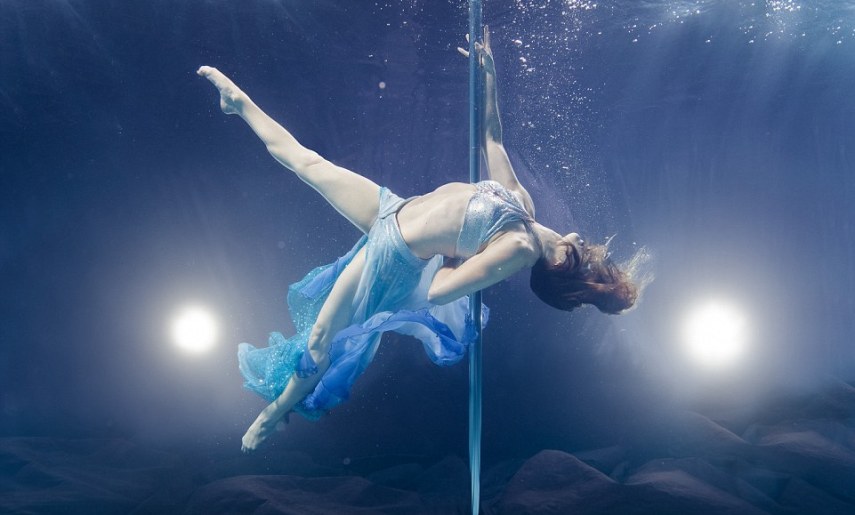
[715, 334]
[194, 330]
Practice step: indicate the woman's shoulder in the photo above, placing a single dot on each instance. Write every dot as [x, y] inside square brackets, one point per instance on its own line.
[519, 195]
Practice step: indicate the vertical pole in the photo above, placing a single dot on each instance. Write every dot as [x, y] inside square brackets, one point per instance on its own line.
[475, 93]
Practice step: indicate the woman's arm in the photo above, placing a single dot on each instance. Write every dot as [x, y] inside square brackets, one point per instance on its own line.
[499, 166]
[501, 259]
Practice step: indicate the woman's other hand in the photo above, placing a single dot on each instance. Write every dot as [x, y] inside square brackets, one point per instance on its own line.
[485, 53]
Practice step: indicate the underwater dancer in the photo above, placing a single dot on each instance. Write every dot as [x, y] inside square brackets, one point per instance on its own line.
[412, 269]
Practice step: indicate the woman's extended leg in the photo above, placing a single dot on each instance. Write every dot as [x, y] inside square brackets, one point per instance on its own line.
[335, 315]
[351, 194]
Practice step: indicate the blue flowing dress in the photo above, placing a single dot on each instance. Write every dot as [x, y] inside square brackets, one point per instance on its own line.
[391, 296]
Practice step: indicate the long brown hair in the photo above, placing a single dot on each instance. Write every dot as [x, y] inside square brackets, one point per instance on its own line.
[596, 280]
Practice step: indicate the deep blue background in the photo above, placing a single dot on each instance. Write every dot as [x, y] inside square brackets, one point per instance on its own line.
[718, 134]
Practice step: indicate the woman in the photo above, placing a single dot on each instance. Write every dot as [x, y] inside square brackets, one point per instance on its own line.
[413, 269]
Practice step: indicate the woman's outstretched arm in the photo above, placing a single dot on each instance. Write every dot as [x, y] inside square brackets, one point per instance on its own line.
[499, 166]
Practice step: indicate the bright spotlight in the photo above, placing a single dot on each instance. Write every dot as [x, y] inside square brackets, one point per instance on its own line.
[194, 330]
[715, 334]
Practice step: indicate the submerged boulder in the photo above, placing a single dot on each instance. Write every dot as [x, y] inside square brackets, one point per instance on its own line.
[51, 475]
[291, 495]
[557, 482]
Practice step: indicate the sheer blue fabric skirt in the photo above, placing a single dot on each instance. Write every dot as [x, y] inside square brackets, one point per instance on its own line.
[391, 296]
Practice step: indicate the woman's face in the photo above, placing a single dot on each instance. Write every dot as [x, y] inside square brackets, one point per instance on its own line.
[571, 252]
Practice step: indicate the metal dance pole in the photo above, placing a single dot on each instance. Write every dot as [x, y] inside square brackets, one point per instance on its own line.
[475, 93]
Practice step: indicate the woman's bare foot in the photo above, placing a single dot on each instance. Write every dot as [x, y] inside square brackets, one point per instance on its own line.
[231, 96]
[263, 427]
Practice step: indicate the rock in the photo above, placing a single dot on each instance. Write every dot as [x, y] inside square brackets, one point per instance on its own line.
[553, 482]
[801, 497]
[291, 495]
[809, 455]
[802, 460]
[670, 491]
[445, 485]
[606, 460]
[400, 476]
[679, 476]
[557, 482]
[47, 475]
[770, 482]
[495, 479]
[692, 434]
[267, 461]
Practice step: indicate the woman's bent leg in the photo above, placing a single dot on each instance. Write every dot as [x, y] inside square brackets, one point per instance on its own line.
[351, 194]
[335, 315]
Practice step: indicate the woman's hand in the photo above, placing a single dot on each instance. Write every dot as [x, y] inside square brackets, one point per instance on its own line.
[485, 53]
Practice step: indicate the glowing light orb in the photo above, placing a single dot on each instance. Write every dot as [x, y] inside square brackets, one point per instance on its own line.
[194, 330]
[715, 334]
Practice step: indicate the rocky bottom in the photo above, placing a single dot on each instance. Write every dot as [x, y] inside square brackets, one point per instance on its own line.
[799, 459]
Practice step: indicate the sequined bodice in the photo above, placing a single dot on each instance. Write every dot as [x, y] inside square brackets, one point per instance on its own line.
[490, 209]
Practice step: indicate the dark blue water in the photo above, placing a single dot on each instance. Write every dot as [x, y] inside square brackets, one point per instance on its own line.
[717, 134]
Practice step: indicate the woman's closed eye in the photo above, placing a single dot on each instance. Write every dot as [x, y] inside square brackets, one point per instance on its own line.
[574, 258]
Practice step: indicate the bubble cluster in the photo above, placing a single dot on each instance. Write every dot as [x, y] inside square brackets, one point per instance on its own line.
[782, 5]
[758, 21]
[580, 4]
[547, 102]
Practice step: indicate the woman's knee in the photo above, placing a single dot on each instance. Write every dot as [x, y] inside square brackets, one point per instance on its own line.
[309, 166]
[319, 341]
